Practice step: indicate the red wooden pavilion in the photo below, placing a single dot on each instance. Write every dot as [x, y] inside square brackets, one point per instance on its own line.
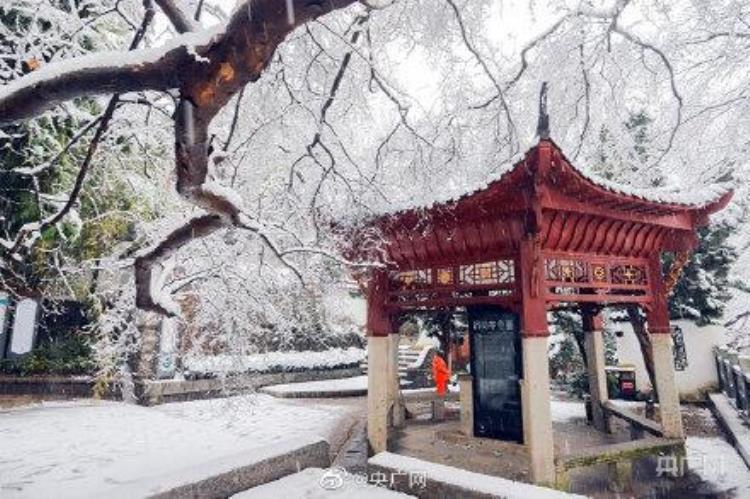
[542, 235]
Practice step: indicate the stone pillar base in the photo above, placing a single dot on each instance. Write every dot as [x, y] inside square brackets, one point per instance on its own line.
[377, 393]
[537, 418]
[438, 409]
[397, 414]
[669, 401]
[466, 394]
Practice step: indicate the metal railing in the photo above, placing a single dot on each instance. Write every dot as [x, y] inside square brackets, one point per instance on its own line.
[733, 372]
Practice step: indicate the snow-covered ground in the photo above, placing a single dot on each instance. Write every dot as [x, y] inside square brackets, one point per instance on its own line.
[262, 418]
[66, 449]
[563, 410]
[718, 463]
[315, 483]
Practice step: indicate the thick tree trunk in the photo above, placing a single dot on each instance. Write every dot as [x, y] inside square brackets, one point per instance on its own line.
[208, 69]
[580, 337]
[639, 328]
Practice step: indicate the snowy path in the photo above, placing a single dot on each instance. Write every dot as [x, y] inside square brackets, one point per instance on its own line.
[718, 463]
[78, 448]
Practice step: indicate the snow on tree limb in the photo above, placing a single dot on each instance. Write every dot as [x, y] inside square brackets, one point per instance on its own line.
[208, 68]
[100, 73]
[195, 228]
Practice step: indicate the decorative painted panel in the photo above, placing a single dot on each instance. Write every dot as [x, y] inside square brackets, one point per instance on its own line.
[578, 270]
[566, 270]
[629, 275]
[495, 272]
[599, 273]
[444, 276]
[413, 278]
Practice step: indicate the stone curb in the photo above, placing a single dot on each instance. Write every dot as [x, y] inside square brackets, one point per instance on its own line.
[228, 476]
[427, 480]
[314, 394]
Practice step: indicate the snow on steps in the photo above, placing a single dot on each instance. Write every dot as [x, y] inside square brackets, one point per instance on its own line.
[230, 475]
[332, 388]
[344, 387]
[730, 419]
[407, 358]
[447, 481]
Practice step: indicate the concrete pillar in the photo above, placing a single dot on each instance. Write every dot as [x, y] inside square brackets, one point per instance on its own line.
[397, 415]
[438, 408]
[535, 392]
[669, 401]
[537, 418]
[466, 394]
[594, 343]
[657, 317]
[377, 393]
[4, 314]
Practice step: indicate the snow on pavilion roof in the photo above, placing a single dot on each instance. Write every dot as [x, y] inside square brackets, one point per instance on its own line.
[710, 197]
[543, 193]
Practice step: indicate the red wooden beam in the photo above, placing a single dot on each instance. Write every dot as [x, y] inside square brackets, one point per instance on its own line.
[464, 301]
[559, 201]
[603, 299]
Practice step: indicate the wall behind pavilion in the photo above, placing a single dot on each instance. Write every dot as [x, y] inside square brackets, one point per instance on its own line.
[700, 374]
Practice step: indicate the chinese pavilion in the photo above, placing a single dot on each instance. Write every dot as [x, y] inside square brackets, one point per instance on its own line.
[542, 235]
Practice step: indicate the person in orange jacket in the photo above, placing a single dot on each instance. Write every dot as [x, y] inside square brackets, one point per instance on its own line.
[440, 373]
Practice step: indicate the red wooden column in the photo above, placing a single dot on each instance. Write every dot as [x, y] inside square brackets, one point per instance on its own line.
[657, 316]
[379, 384]
[378, 319]
[535, 390]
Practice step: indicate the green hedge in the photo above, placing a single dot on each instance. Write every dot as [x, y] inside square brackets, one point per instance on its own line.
[66, 356]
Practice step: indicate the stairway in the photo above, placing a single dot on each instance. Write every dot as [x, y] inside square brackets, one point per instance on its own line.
[407, 356]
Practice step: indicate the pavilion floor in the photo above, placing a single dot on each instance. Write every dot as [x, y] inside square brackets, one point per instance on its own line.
[443, 442]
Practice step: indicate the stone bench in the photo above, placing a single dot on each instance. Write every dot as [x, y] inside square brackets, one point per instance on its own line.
[618, 456]
[638, 424]
[437, 402]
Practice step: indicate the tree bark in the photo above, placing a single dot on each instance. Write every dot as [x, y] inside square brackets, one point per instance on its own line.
[639, 328]
[208, 70]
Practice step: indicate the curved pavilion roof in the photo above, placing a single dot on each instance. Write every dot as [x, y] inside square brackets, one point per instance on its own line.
[546, 197]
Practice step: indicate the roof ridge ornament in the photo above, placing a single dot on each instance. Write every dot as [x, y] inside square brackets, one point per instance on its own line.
[542, 127]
